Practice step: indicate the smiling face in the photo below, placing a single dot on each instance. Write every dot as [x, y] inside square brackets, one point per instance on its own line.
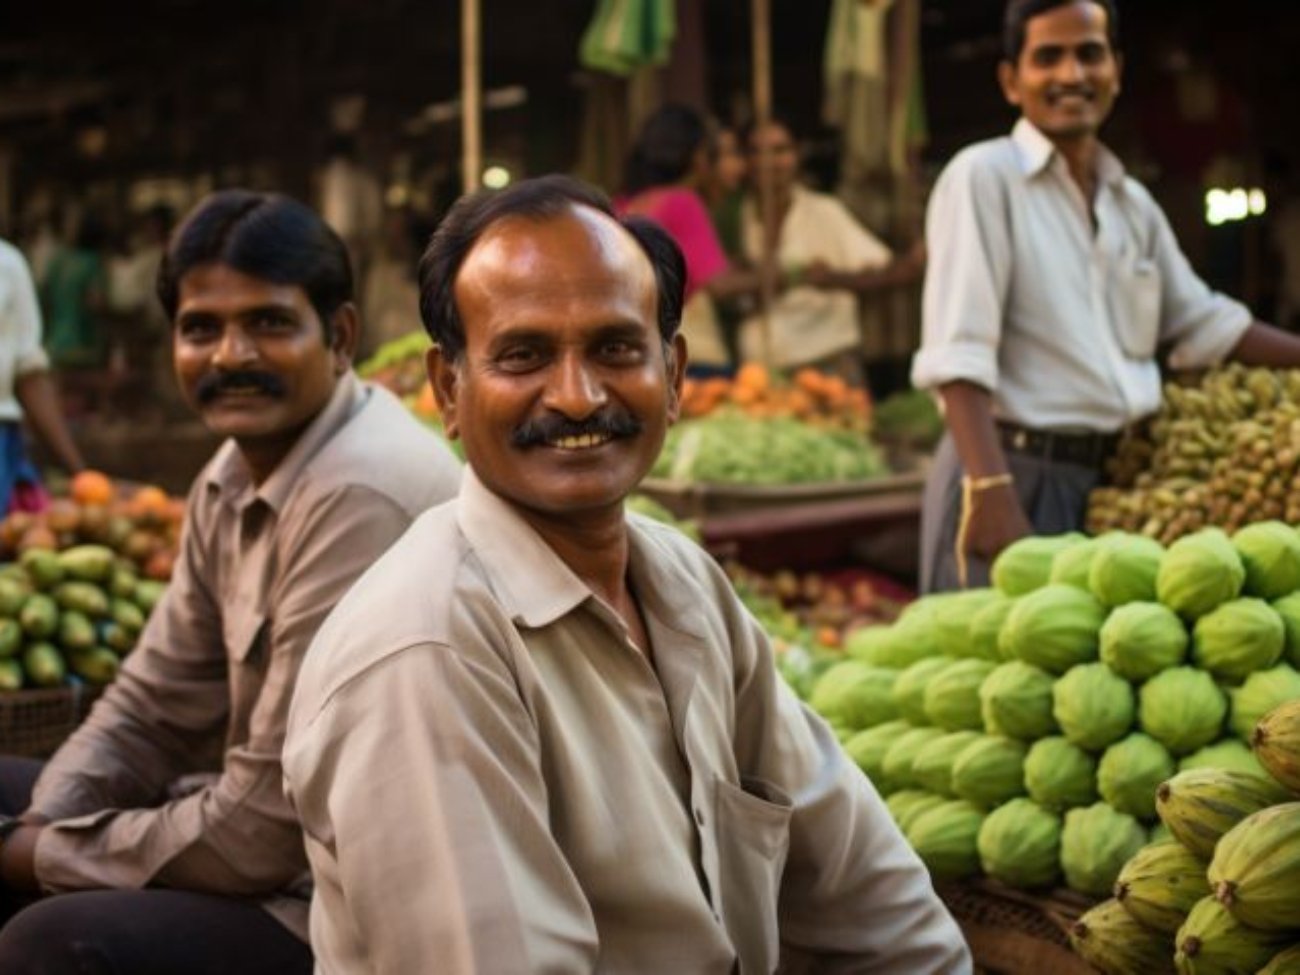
[564, 390]
[1067, 76]
[251, 358]
[772, 149]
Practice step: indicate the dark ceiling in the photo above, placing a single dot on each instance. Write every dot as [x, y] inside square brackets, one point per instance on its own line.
[181, 85]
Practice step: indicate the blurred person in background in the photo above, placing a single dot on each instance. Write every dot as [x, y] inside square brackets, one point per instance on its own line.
[27, 392]
[391, 298]
[1054, 280]
[74, 296]
[827, 259]
[666, 173]
[158, 837]
[141, 326]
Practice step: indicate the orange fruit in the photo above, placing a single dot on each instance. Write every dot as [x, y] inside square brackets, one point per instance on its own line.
[91, 487]
[150, 505]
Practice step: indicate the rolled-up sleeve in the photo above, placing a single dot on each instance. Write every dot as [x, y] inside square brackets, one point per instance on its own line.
[966, 279]
[854, 896]
[237, 836]
[1202, 325]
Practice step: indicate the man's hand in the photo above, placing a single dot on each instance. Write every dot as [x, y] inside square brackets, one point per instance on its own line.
[18, 855]
[996, 519]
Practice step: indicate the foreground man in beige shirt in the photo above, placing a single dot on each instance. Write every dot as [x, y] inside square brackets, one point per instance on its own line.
[541, 735]
[319, 475]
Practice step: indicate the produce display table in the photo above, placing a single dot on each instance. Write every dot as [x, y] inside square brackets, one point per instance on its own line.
[1011, 932]
[873, 522]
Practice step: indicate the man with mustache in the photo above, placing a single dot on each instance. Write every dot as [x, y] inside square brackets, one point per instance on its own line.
[161, 828]
[1054, 278]
[542, 735]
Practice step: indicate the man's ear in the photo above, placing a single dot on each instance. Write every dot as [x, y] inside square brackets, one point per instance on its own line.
[345, 332]
[1009, 81]
[676, 375]
[444, 374]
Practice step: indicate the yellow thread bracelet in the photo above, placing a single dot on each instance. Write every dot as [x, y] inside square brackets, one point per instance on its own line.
[970, 486]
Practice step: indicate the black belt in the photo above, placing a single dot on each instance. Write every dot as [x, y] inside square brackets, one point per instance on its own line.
[1085, 449]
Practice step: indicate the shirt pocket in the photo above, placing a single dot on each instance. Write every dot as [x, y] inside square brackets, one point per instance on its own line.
[1139, 308]
[753, 837]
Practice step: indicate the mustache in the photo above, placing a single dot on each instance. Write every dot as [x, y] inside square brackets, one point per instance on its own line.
[215, 383]
[611, 423]
[1085, 90]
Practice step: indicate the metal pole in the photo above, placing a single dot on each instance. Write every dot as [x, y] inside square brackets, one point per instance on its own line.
[761, 16]
[471, 99]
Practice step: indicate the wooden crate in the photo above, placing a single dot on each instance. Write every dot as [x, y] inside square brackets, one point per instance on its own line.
[35, 723]
[1011, 932]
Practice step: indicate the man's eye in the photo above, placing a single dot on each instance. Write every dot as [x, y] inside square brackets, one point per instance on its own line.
[196, 331]
[1046, 57]
[519, 357]
[273, 322]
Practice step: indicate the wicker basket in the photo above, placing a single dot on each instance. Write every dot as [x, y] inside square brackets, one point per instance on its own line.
[1014, 933]
[35, 723]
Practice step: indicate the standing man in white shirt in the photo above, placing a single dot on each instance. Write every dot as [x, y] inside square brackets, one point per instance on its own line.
[1053, 280]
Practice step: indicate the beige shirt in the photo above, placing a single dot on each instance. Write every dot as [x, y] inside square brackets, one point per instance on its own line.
[20, 329]
[1060, 322]
[493, 779]
[214, 669]
[807, 324]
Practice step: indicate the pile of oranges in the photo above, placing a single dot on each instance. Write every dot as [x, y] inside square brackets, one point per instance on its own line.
[808, 395]
[141, 523]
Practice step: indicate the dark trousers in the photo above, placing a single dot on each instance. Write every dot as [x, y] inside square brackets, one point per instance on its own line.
[137, 932]
[1054, 495]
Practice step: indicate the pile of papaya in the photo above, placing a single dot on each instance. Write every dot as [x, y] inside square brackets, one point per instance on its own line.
[75, 612]
[78, 580]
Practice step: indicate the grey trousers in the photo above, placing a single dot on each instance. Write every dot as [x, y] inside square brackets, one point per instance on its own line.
[1053, 494]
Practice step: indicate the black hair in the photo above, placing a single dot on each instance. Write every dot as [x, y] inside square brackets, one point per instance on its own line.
[747, 130]
[1020, 12]
[263, 235]
[665, 147]
[541, 199]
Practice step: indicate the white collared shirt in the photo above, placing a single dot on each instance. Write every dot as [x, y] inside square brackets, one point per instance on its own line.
[20, 329]
[1059, 321]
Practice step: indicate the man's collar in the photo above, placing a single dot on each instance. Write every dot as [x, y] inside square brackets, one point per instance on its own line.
[1036, 152]
[228, 474]
[534, 584]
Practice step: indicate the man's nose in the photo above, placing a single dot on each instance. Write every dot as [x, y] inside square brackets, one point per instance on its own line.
[234, 349]
[575, 391]
[1069, 70]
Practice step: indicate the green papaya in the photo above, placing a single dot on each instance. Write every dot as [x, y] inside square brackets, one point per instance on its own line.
[98, 665]
[13, 593]
[1212, 942]
[990, 770]
[11, 637]
[907, 804]
[84, 597]
[39, 616]
[76, 632]
[1160, 884]
[126, 614]
[1096, 842]
[932, 765]
[1202, 804]
[1019, 844]
[44, 664]
[946, 838]
[1276, 743]
[1130, 771]
[147, 593]
[1060, 775]
[120, 639]
[1109, 939]
[1255, 872]
[89, 563]
[43, 567]
[11, 674]
[122, 583]
[1285, 962]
